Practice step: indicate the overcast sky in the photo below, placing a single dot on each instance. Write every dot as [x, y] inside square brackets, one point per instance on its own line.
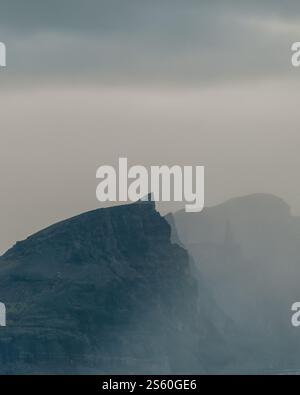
[159, 81]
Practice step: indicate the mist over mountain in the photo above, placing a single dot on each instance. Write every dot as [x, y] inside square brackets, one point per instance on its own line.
[248, 252]
[125, 290]
[109, 292]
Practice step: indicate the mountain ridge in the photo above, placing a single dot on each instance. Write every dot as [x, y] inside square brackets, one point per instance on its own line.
[247, 250]
[107, 292]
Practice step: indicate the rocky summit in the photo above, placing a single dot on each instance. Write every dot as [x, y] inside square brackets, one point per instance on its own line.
[107, 292]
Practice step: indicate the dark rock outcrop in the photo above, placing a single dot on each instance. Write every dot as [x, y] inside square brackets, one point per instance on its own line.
[107, 292]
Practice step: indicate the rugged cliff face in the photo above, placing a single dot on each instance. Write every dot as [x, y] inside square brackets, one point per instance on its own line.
[247, 250]
[107, 291]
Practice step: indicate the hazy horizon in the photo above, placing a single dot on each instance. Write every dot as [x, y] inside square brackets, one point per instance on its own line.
[162, 207]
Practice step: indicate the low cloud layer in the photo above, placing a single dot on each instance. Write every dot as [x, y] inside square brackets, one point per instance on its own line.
[164, 42]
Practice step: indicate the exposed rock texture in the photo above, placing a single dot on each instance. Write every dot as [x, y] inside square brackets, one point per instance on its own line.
[107, 292]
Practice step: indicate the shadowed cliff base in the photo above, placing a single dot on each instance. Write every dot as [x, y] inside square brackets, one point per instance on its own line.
[108, 292]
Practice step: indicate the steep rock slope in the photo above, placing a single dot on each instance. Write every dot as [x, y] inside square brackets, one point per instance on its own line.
[107, 292]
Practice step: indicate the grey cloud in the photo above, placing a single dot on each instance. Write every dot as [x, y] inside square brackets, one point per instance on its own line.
[139, 41]
[122, 15]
